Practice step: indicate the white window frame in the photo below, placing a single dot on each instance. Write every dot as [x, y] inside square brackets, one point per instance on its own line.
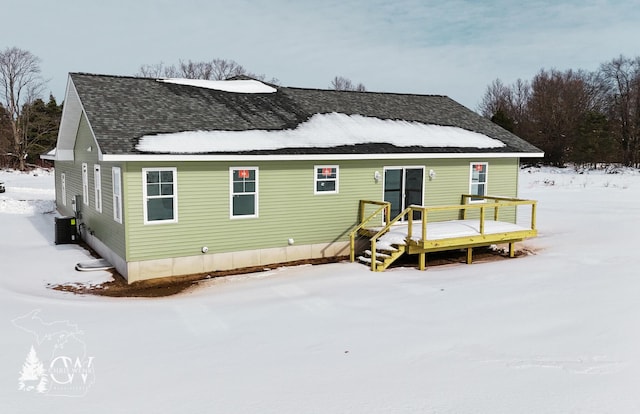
[145, 197]
[486, 181]
[63, 188]
[232, 194]
[97, 184]
[316, 180]
[116, 180]
[85, 183]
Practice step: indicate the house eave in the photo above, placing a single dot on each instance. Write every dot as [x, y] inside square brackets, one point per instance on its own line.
[64, 155]
[303, 157]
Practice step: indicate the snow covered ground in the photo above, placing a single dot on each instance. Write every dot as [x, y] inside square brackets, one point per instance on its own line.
[553, 332]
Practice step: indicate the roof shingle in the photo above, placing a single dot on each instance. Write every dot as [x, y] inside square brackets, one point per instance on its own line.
[123, 109]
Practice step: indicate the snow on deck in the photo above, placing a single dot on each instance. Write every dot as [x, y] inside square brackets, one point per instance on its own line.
[443, 230]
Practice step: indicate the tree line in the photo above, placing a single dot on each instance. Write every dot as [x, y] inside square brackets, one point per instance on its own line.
[574, 115]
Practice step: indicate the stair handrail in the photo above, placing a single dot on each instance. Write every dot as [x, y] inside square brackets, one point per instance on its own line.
[383, 231]
[384, 205]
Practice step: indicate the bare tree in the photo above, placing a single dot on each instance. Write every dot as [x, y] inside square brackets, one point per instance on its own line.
[496, 98]
[158, 70]
[215, 69]
[340, 83]
[622, 79]
[510, 100]
[20, 84]
[558, 107]
[224, 69]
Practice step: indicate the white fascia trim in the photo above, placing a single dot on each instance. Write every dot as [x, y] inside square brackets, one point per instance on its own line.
[72, 111]
[64, 155]
[305, 157]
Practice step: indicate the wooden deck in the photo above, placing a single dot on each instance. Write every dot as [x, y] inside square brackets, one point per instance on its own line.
[406, 235]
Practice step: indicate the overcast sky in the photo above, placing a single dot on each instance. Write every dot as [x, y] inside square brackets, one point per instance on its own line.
[454, 47]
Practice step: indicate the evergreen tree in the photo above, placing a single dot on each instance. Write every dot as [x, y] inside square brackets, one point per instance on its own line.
[5, 136]
[594, 143]
[502, 119]
[32, 375]
[40, 123]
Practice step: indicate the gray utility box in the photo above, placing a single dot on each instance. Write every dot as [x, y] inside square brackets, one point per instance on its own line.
[66, 230]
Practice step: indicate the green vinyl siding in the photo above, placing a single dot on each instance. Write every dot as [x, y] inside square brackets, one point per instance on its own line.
[452, 179]
[287, 208]
[100, 224]
[287, 205]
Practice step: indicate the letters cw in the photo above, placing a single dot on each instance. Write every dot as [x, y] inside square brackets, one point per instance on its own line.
[62, 369]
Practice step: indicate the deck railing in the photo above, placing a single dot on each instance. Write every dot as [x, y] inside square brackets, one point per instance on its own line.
[486, 204]
[481, 206]
[383, 208]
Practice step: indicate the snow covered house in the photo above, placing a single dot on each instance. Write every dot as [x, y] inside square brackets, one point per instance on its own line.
[172, 177]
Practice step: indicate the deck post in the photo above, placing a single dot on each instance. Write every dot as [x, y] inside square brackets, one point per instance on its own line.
[424, 226]
[374, 256]
[512, 251]
[533, 216]
[469, 255]
[482, 220]
[352, 245]
[422, 261]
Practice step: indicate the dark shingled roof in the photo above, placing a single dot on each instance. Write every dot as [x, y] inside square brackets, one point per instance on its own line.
[123, 109]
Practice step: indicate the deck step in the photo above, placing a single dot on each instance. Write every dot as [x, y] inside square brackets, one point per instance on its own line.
[379, 254]
[367, 260]
[384, 258]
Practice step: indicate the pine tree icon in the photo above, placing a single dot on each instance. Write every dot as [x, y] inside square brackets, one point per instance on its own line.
[33, 375]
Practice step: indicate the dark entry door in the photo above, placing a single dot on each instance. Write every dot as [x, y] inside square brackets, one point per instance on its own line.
[403, 186]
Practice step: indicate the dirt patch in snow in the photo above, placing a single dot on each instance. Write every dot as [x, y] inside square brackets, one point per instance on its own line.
[168, 286]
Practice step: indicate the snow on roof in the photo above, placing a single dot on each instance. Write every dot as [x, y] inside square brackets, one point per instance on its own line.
[236, 86]
[51, 155]
[320, 131]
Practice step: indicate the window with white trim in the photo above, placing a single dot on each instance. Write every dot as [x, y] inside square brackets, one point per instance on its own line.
[478, 180]
[160, 192]
[85, 183]
[63, 188]
[325, 179]
[97, 183]
[244, 192]
[116, 179]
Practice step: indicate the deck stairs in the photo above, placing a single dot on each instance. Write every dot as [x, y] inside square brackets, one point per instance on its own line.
[385, 256]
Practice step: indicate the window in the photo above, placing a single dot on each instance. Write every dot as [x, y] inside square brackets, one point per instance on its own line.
[160, 195]
[478, 182]
[85, 183]
[63, 188]
[117, 194]
[325, 179]
[244, 192]
[97, 183]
